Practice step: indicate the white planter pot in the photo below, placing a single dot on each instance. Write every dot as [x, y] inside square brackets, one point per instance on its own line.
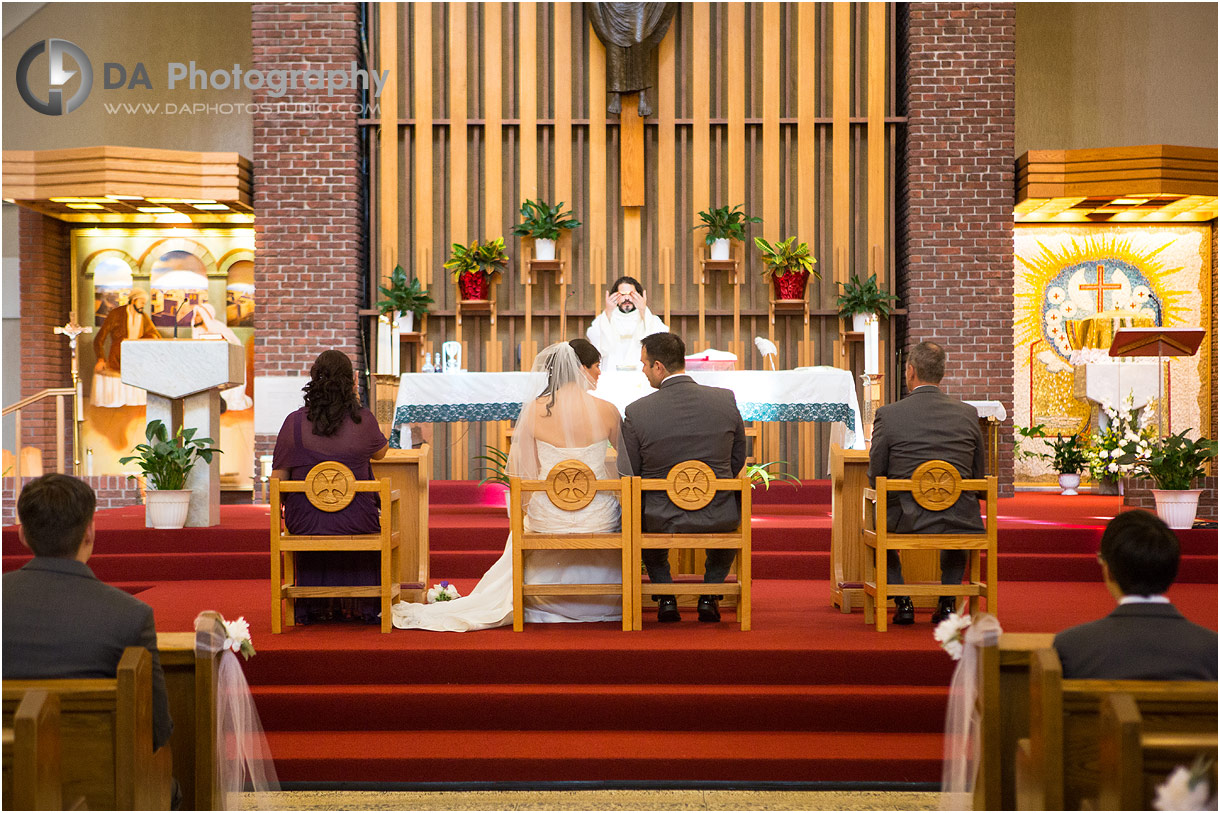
[720, 248]
[544, 249]
[1068, 483]
[1177, 508]
[406, 321]
[167, 509]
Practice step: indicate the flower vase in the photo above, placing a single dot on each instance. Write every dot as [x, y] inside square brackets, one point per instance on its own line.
[720, 248]
[1177, 506]
[473, 285]
[1068, 483]
[790, 285]
[544, 249]
[1110, 486]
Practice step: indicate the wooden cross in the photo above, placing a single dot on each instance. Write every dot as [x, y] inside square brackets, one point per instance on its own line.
[1100, 287]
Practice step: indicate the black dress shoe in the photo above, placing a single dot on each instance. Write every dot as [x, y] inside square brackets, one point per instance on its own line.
[667, 610]
[709, 610]
[904, 611]
[944, 607]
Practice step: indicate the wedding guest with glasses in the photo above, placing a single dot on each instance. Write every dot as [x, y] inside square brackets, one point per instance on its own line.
[332, 426]
[1145, 637]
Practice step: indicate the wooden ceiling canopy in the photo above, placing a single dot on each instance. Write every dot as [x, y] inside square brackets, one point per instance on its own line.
[130, 185]
[1155, 183]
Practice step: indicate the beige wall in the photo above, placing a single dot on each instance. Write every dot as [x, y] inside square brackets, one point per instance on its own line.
[1115, 74]
[214, 35]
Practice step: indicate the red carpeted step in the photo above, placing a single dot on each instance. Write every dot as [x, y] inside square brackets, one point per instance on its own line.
[1081, 567]
[810, 492]
[643, 755]
[462, 564]
[533, 707]
[185, 566]
[787, 564]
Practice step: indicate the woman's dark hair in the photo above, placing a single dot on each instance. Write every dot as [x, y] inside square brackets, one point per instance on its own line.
[586, 352]
[329, 395]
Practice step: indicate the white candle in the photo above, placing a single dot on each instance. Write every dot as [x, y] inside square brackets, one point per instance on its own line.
[265, 461]
[385, 334]
[872, 342]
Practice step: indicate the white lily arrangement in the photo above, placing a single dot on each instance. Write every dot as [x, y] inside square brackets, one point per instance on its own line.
[1187, 788]
[951, 634]
[442, 592]
[1127, 425]
[237, 637]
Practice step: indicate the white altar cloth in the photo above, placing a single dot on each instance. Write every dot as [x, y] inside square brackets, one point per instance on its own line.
[808, 394]
[990, 409]
[1111, 382]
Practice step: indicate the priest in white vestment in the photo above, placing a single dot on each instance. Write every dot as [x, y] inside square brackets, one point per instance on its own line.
[617, 331]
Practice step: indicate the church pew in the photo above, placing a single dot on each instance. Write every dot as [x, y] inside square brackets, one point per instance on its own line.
[32, 778]
[106, 735]
[190, 682]
[1132, 761]
[1057, 764]
[1003, 682]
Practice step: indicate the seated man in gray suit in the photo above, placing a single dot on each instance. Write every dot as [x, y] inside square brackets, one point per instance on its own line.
[927, 425]
[59, 620]
[1145, 638]
[681, 421]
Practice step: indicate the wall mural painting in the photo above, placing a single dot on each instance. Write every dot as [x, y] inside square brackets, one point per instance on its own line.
[112, 283]
[1151, 275]
[179, 283]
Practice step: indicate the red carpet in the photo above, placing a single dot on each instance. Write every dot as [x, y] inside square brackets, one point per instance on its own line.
[809, 695]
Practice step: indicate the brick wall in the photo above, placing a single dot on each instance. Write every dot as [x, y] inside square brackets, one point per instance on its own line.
[46, 361]
[113, 491]
[307, 195]
[955, 221]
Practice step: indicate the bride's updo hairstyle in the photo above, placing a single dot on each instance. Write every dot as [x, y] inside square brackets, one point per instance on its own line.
[330, 395]
[586, 353]
[562, 367]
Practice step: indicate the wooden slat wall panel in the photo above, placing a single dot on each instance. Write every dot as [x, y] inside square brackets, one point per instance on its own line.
[786, 107]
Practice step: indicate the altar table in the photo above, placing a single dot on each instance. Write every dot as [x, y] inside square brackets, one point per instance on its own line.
[807, 394]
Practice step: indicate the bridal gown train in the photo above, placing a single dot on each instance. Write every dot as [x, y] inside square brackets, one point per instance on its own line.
[490, 603]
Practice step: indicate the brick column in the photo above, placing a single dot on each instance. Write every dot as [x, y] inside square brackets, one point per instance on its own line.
[46, 293]
[307, 194]
[955, 220]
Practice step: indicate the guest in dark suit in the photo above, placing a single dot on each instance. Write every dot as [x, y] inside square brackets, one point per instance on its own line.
[927, 425]
[681, 421]
[1145, 638]
[59, 620]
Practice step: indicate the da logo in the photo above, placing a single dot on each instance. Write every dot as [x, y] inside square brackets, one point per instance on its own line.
[61, 54]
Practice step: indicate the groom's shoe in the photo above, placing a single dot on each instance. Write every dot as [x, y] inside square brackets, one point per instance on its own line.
[667, 610]
[904, 611]
[944, 607]
[709, 610]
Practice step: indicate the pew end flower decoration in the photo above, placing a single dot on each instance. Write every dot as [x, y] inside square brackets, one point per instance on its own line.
[951, 634]
[1187, 788]
[237, 637]
[442, 592]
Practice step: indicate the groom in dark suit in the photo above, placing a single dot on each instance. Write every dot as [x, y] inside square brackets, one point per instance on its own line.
[927, 425]
[59, 620]
[681, 421]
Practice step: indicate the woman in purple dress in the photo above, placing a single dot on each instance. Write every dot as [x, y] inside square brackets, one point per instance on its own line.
[332, 426]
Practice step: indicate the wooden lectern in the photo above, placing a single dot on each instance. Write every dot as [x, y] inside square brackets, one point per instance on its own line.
[1159, 342]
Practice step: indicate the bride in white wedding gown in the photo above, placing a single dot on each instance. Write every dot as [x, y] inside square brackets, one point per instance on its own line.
[566, 422]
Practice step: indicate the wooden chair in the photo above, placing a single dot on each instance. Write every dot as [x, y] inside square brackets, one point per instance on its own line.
[331, 486]
[106, 736]
[691, 485]
[32, 766]
[570, 486]
[935, 486]
[1132, 761]
[1057, 765]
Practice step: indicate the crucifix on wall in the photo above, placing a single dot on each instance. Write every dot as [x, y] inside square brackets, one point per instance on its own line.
[631, 33]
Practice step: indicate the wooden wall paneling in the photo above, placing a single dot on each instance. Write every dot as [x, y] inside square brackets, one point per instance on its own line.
[631, 185]
[459, 190]
[701, 168]
[806, 189]
[596, 182]
[666, 174]
[561, 32]
[527, 135]
[877, 159]
[421, 75]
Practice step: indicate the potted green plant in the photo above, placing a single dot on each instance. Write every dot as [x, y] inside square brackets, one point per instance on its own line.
[1173, 462]
[166, 463]
[1069, 457]
[723, 225]
[761, 473]
[788, 264]
[862, 299]
[473, 265]
[407, 300]
[544, 223]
